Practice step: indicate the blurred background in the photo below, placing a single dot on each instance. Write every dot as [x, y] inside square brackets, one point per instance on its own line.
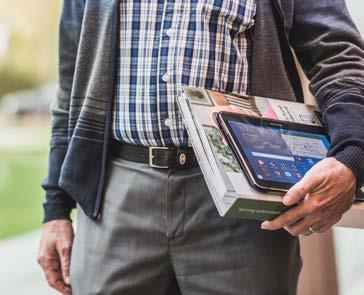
[28, 73]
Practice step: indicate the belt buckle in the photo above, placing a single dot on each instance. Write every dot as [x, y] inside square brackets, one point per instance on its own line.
[151, 156]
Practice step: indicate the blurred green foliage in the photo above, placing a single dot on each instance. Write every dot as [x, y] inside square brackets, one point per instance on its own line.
[21, 196]
[31, 58]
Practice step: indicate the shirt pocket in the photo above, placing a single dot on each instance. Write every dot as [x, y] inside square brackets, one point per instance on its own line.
[232, 16]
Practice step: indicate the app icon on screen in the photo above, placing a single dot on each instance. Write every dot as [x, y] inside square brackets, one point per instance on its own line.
[277, 173]
[265, 171]
[310, 161]
[299, 175]
[299, 159]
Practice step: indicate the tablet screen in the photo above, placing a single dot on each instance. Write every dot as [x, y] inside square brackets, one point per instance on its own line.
[277, 154]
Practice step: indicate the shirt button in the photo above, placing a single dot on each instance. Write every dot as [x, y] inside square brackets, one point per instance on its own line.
[168, 122]
[169, 32]
[165, 77]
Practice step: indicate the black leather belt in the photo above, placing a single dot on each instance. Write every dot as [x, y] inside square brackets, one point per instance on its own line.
[156, 157]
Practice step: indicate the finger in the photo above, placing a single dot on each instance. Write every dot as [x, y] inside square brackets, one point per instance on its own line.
[328, 225]
[317, 229]
[64, 252]
[297, 192]
[307, 233]
[324, 228]
[321, 228]
[289, 217]
[55, 280]
[50, 260]
[302, 227]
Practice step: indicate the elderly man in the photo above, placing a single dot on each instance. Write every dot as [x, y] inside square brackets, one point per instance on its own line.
[146, 223]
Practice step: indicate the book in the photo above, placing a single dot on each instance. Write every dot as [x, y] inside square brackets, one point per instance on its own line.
[230, 189]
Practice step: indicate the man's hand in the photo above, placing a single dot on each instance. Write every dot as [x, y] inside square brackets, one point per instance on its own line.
[55, 254]
[323, 195]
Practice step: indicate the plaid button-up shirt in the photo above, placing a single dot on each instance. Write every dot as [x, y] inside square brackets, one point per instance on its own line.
[165, 44]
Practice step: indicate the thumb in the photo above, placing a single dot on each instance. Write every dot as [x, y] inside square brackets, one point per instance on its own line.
[65, 257]
[297, 192]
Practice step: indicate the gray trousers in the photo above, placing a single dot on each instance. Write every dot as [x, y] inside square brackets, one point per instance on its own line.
[160, 233]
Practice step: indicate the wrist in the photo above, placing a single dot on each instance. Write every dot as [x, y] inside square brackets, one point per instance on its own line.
[353, 158]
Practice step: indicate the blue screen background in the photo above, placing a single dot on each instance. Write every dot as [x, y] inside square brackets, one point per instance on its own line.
[278, 154]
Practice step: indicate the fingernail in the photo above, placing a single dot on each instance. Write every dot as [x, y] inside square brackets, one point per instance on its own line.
[264, 225]
[67, 281]
[287, 200]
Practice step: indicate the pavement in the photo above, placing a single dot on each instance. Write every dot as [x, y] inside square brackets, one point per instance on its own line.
[20, 274]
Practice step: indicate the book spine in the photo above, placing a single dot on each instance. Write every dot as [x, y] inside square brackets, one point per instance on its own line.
[256, 209]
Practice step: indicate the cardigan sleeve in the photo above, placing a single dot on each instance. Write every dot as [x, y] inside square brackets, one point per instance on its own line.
[331, 52]
[58, 204]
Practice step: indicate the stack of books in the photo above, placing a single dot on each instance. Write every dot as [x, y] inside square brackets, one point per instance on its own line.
[230, 189]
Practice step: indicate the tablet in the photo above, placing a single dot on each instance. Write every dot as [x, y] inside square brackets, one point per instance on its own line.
[273, 154]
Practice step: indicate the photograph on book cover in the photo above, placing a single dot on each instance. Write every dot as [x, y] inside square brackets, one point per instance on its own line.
[224, 153]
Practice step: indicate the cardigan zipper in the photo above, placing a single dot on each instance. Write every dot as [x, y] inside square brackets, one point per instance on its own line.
[98, 202]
